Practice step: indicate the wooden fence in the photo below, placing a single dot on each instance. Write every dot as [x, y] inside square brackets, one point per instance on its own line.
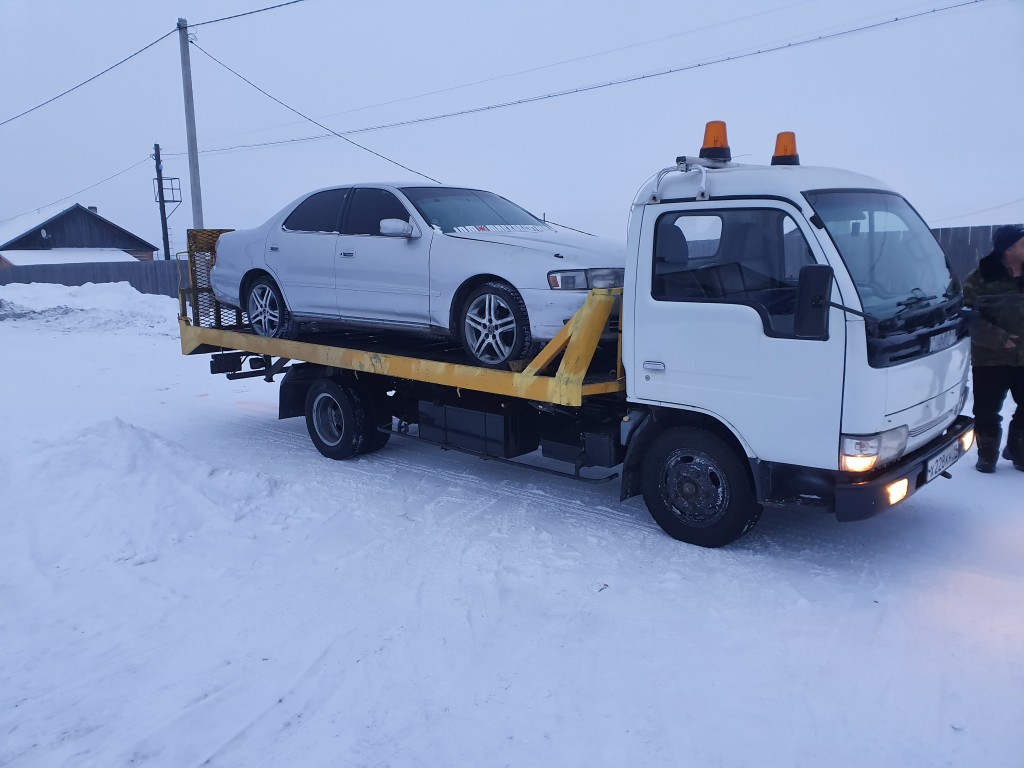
[158, 277]
[965, 246]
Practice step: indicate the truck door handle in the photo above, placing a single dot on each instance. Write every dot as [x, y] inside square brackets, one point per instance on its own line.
[274, 248]
[347, 254]
[654, 365]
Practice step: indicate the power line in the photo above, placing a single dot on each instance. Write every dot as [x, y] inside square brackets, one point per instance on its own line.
[595, 54]
[144, 48]
[84, 82]
[247, 13]
[310, 119]
[592, 87]
[982, 210]
[146, 159]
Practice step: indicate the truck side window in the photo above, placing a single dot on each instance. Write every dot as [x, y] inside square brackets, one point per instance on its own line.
[748, 256]
[369, 208]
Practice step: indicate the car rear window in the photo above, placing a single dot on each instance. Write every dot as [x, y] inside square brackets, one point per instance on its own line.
[318, 213]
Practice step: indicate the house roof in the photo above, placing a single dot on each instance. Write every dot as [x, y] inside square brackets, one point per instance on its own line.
[19, 226]
[12, 229]
[64, 256]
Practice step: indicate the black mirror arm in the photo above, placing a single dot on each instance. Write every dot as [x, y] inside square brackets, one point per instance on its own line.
[852, 311]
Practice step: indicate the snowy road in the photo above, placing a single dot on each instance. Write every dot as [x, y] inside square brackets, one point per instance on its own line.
[187, 582]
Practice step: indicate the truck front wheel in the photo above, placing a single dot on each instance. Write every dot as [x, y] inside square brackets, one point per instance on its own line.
[697, 488]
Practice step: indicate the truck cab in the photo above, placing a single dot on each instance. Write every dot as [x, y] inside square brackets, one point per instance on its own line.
[805, 315]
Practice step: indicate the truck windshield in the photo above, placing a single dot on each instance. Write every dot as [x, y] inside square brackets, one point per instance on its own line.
[889, 251]
[471, 210]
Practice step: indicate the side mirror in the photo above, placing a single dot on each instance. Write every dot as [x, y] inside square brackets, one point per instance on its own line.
[813, 295]
[396, 228]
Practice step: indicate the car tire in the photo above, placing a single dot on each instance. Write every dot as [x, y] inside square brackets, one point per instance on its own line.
[266, 311]
[494, 325]
[697, 488]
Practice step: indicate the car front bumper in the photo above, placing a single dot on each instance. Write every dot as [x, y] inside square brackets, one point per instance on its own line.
[549, 310]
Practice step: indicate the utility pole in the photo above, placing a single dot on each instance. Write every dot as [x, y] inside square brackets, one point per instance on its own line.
[161, 200]
[190, 125]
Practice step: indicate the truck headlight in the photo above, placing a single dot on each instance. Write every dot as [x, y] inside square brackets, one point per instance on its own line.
[585, 279]
[861, 453]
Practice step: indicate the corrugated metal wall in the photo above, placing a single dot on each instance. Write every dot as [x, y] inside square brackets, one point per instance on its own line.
[158, 277]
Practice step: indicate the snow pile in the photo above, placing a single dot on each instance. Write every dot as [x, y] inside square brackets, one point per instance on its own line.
[124, 494]
[107, 307]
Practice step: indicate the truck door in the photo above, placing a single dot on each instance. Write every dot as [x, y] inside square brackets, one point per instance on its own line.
[712, 327]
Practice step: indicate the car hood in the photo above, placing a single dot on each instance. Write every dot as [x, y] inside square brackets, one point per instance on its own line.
[570, 247]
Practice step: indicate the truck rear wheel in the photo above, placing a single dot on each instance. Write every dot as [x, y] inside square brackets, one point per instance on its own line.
[697, 488]
[337, 419]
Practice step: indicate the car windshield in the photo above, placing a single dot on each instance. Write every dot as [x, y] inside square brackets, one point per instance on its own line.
[895, 261]
[471, 210]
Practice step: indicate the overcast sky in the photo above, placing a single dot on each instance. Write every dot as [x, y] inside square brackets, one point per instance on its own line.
[934, 106]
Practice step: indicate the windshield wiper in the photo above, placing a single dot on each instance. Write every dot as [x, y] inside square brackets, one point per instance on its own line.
[912, 301]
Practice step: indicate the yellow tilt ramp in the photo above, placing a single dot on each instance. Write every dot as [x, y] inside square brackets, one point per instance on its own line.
[576, 343]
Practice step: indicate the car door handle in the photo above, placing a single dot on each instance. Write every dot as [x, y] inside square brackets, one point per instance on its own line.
[654, 365]
[274, 248]
[347, 254]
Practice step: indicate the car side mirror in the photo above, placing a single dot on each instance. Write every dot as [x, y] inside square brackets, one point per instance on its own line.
[813, 296]
[396, 228]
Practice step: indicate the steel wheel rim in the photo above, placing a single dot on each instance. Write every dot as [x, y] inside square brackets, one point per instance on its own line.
[328, 420]
[694, 488]
[264, 310]
[491, 328]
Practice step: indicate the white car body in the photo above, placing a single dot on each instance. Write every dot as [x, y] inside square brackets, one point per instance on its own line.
[416, 281]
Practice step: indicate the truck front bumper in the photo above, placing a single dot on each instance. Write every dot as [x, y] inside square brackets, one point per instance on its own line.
[858, 498]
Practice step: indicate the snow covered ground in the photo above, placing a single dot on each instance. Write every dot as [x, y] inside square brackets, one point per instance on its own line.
[185, 581]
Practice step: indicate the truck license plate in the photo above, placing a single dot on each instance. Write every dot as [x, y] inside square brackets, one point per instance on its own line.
[939, 464]
[941, 341]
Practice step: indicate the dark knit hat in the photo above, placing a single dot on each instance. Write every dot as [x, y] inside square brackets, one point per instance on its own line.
[1006, 236]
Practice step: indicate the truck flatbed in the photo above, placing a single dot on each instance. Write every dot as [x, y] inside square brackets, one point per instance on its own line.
[562, 373]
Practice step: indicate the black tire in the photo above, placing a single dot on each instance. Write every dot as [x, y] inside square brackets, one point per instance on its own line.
[697, 488]
[494, 326]
[375, 439]
[267, 313]
[337, 419]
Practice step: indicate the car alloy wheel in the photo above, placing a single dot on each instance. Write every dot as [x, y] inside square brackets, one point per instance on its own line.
[491, 329]
[264, 310]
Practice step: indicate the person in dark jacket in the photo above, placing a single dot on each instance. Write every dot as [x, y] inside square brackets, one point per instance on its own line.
[995, 290]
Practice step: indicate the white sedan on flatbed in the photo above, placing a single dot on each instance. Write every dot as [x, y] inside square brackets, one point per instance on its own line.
[414, 257]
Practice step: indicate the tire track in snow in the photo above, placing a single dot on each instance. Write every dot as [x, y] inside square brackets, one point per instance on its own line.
[582, 512]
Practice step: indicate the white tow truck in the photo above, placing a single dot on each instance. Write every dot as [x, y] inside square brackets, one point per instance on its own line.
[788, 336]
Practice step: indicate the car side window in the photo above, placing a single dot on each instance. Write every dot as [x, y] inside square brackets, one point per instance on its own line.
[369, 208]
[318, 213]
[749, 256]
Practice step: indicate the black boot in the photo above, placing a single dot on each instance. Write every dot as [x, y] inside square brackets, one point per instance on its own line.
[1014, 450]
[988, 450]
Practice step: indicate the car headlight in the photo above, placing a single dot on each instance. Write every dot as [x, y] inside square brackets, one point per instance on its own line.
[585, 279]
[861, 453]
[606, 278]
